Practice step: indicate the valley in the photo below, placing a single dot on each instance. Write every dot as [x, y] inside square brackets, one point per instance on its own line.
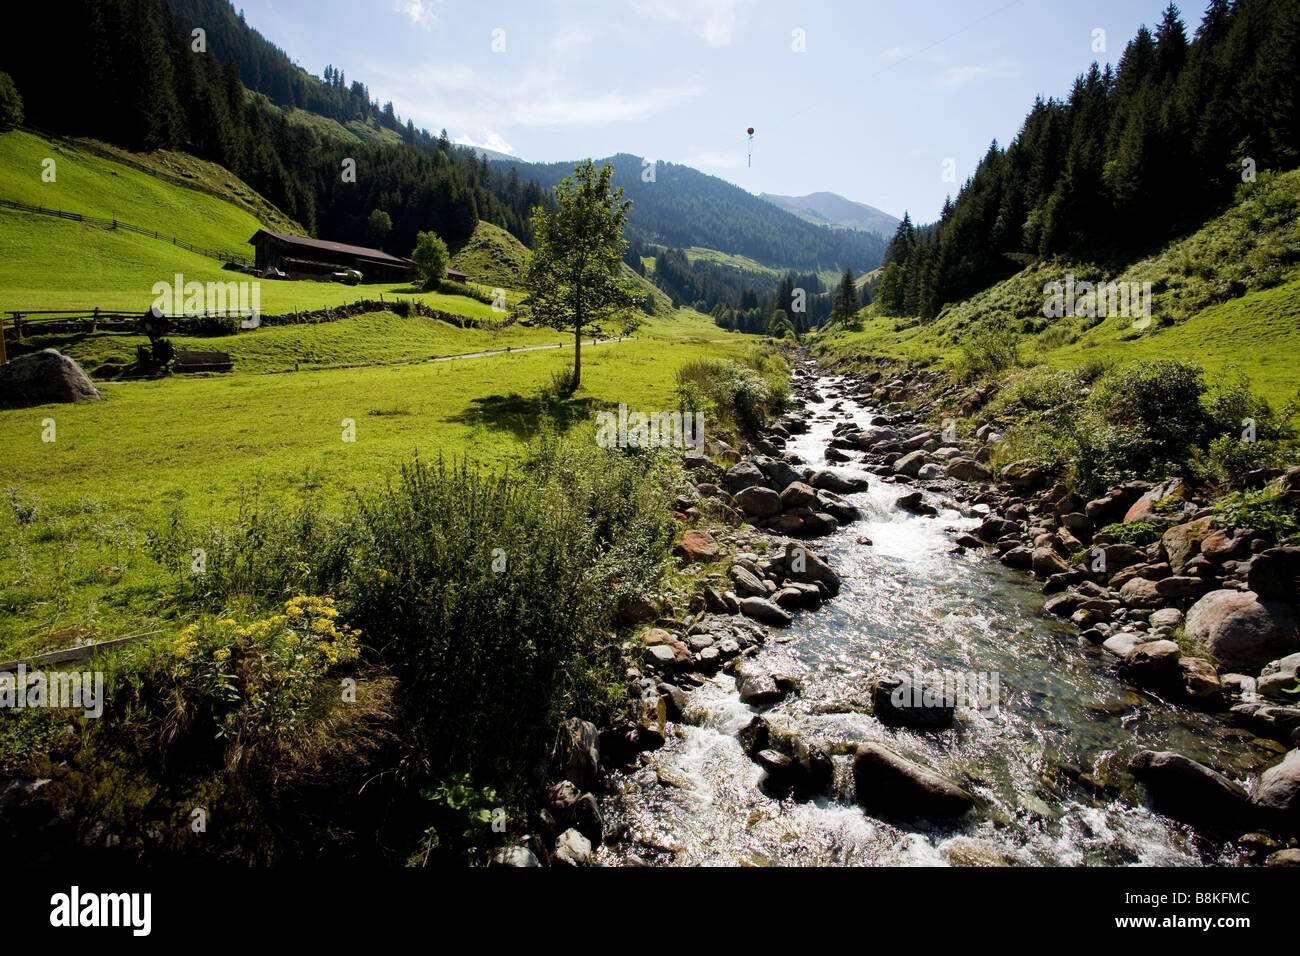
[615, 512]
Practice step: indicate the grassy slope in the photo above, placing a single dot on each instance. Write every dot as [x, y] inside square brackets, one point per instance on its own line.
[91, 184]
[491, 257]
[182, 169]
[1228, 294]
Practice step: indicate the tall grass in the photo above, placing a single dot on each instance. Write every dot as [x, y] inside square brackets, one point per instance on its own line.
[740, 397]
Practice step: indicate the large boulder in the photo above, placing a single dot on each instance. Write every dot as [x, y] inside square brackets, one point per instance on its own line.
[968, 469]
[897, 699]
[1139, 592]
[759, 502]
[759, 689]
[799, 495]
[43, 378]
[803, 565]
[747, 583]
[1242, 631]
[572, 849]
[580, 752]
[765, 612]
[745, 474]
[657, 637]
[515, 856]
[1182, 542]
[1186, 789]
[840, 484]
[994, 528]
[1111, 508]
[781, 473]
[1275, 573]
[1278, 792]
[1152, 664]
[894, 785]
[1046, 562]
[911, 463]
[1145, 507]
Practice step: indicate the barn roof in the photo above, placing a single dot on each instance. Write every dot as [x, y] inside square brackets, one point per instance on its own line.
[324, 245]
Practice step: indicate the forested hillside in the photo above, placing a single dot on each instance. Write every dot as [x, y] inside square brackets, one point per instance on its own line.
[131, 73]
[1130, 159]
[684, 207]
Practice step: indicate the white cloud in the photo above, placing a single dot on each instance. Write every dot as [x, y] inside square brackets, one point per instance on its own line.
[956, 77]
[712, 20]
[896, 53]
[461, 98]
[423, 12]
[489, 140]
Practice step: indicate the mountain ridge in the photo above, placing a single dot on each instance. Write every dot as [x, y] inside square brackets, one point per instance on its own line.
[679, 206]
[832, 209]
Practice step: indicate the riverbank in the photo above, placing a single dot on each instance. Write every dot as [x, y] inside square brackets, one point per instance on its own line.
[799, 751]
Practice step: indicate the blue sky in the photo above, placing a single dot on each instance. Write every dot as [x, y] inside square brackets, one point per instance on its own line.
[883, 92]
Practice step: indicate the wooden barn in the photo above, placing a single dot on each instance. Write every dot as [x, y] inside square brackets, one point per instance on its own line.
[303, 258]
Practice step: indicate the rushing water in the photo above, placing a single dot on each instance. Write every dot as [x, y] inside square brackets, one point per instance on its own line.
[1045, 765]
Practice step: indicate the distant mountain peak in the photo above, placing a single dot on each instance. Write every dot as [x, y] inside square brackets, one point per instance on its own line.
[832, 209]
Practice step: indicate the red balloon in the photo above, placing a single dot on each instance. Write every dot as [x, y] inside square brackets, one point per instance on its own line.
[751, 131]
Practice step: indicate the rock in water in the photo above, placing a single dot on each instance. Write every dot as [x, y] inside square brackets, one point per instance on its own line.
[45, 377]
[896, 699]
[515, 856]
[764, 611]
[1186, 789]
[1278, 792]
[894, 785]
[572, 849]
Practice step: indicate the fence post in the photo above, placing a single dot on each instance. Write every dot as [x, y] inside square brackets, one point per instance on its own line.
[4, 357]
[18, 327]
[94, 322]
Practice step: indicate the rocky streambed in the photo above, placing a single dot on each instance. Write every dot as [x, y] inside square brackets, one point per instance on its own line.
[906, 663]
[880, 683]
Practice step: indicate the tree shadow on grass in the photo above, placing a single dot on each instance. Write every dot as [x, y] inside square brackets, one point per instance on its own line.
[523, 415]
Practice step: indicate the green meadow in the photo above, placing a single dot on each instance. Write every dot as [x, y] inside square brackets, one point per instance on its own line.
[79, 511]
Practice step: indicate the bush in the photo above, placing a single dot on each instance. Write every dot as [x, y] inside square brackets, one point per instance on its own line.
[1039, 389]
[562, 382]
[1134, 532]
[493, 597]
[257, 683]
[1264, 510]
[1159, 404]
[988, 350]
[1228, 459]
[743, 397]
